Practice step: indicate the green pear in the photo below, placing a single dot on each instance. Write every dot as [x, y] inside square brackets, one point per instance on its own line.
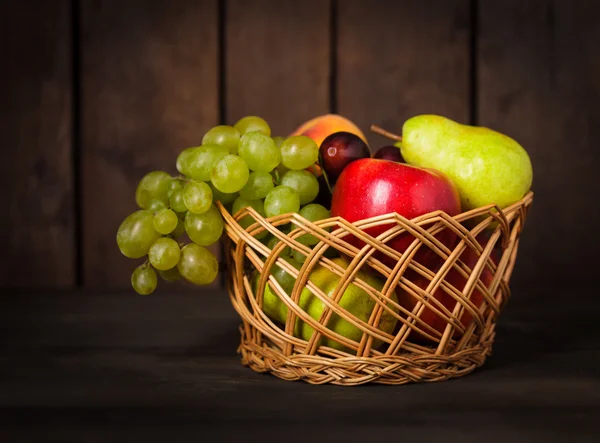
[355, 300]
[486, 166]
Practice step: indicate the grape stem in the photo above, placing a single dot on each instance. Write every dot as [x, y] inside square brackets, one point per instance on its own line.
[277, 178]
[183, 179]
[320, 163]
[379, 130]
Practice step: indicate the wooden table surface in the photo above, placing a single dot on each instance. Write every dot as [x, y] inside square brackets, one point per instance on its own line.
[119, 367]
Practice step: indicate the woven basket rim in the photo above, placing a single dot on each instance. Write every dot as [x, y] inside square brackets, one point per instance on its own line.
[526, 200]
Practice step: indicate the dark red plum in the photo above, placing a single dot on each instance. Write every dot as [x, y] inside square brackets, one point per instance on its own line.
[340, 149]
[389, 152]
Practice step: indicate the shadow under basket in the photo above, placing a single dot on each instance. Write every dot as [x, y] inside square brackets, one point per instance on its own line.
[357, 310]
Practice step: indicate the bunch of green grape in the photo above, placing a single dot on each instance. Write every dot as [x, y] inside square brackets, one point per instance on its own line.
[240, 166]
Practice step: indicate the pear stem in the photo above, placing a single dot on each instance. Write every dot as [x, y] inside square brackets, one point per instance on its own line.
[378, 130]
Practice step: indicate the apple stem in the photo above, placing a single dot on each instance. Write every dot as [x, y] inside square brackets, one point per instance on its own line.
[378, 130]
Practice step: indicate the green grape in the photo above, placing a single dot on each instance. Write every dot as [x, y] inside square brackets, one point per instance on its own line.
[197, 264]
[223, 135]
[222, 197]
[298, 256]
[258, 186]
[281, 200]
[242, 202]
[174, 186]
[259, 152]
[274, 241]
[229, 174]
[197, 197]
[304, 183]
[153, 186]
[252, 123]
[136, 234]
[202, 160]
[204, 229]
[170, 274]
[164, 253]
[248, 220]
[180, 229]
[144, 280]
[299, 152]
[278, 140]
[313, 213]
[156, 206]
[165, 221]
[176, 201]
[183, 160]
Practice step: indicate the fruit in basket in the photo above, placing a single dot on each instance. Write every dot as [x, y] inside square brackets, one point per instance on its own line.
[320, 127]
[229, 174]
[281, 200]
[197, 197]
[223, 135]
[389, 152]
[136, 234]
[248, 220]
[445, 297]
[355, 300]
[206, 228]
[252, 123]
[197, 264]
[371, 187]
[154, 186]
[338, 150]
[219, 170]
[258, 186]
[259, 152]
[165, 221]
[313, 212]
[143, 280]
[303, 182]
[164, 254]
[200, 161]
[486, 166]
[273, 306]
[298, 152]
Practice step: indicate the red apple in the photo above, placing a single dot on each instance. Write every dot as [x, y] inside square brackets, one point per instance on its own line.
[456, 279]
[369, 187]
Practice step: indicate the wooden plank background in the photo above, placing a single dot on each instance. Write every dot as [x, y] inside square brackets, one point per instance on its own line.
[149, 89]
[38, 228]
[98, 92]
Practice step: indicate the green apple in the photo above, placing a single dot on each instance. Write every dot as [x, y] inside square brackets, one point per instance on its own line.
[354, 300]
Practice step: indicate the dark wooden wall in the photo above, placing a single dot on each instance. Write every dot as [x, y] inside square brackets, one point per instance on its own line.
[97, 92]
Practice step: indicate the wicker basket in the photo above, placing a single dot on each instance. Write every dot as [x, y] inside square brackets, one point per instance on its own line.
[418, 349]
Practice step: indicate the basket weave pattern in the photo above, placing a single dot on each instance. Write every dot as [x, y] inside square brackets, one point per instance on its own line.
[415, 351]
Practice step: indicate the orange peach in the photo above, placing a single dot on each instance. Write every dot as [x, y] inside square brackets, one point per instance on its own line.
[320, 127]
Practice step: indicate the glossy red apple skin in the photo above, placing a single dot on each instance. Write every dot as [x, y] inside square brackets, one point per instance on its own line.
[456, 279]
[370, 187]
